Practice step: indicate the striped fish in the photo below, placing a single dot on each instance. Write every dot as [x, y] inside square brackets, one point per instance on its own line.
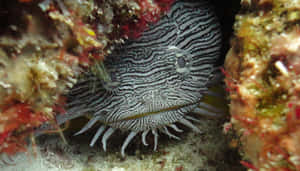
[155, 80]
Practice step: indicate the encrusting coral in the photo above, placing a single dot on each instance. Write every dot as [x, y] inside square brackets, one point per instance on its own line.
[45, 45]
[262, 77]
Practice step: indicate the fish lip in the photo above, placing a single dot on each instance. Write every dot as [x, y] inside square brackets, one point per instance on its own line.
[141, 115]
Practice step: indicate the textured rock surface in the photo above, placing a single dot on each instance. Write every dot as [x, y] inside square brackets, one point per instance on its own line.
[262, 77]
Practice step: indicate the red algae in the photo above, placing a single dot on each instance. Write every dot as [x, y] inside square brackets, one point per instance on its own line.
[17, 119]
[149, 13]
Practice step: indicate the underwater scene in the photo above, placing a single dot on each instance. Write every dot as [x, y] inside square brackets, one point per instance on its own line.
[150, 85]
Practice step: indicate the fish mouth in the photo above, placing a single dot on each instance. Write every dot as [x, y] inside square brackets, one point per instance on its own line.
[141, 115]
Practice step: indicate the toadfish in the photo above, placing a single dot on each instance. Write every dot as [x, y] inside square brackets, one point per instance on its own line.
[155, 80]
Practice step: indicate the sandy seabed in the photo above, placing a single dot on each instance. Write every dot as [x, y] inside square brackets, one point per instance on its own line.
[194, 152]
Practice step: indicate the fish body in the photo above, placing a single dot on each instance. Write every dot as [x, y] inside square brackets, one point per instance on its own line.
[156, 80]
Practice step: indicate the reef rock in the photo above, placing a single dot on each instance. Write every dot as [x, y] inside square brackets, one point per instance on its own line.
[262, 77]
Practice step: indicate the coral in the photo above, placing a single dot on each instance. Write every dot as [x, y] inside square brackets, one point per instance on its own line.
[44, 47]
[31, 92]
[149, 12]
[262, 78]
[17, 119]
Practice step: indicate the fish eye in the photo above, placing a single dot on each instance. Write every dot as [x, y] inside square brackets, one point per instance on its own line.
[181, 62]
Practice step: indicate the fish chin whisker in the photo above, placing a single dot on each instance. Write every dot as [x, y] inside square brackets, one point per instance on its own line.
[189, 124]
[97, 135]
[131, 135]
[154, 132]
[144, 134]
[193, 119]
[207, 113]
[128, 139]
[174, 127]
[209, 107]
[105, 137]
[165, 130]
[88, 125]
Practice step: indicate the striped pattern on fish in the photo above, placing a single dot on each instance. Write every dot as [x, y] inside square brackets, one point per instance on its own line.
[155, 80]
